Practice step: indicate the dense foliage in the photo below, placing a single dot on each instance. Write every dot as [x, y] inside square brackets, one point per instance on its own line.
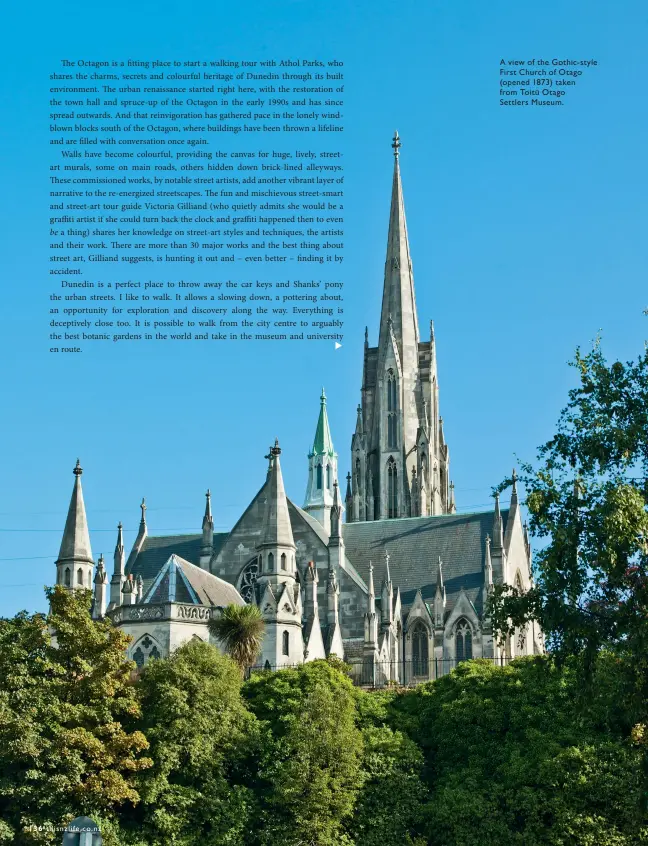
[587, 498]
[548, 751]
[186, 753]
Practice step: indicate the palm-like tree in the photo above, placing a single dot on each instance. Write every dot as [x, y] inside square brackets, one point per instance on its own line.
[240, 630]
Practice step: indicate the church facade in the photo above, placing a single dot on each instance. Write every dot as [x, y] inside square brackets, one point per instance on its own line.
[398, 590]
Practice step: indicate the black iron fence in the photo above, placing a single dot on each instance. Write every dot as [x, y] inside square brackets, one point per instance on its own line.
[373, 673]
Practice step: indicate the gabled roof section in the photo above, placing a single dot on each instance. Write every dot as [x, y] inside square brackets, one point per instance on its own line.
[181, 581]
[155, 553]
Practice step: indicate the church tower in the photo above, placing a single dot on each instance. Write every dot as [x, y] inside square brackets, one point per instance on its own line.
[399, 457]
[322, 471]
[277, 584]
[75, 564]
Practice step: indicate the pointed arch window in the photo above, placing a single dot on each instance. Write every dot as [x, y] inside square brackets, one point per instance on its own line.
[80, 577]
[392, 488]
[286, 643]
[283, 561]
[420, 650]
[145, 650]
[463, 641]
[392, 410]
[68, 577]
[319, 477]
[328, 476]
[270, 562]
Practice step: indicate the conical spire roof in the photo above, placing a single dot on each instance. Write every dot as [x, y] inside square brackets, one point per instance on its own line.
[398, 304]
[75, 545]
[323, 443]
[276, 529]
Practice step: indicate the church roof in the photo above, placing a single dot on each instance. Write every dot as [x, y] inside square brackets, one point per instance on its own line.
[181, 581]
[415, 544]
[155, 553]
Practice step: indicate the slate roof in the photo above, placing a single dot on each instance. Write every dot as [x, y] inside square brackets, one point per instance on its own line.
[182, 581]
[155, 553]
[414, 545]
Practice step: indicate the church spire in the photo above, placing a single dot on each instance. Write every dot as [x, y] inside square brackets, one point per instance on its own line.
[276, 530]
[398, 303]
[322, 470]
[74, 563]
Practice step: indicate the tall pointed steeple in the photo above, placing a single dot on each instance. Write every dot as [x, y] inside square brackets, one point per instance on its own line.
[398, 303]
[322, 470]
[74, 563]
[398, 428]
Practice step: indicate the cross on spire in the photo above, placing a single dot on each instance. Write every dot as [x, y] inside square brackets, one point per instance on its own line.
[396, 143]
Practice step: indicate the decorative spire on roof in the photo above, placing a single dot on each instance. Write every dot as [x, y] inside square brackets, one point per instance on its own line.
[488, 565]
[207, 519]
[398, 303]
[359, 422]
[101, 577]
[276, 529]
[336, 513]
[207, 546]
[387, 573]
[439, 596]
[371, 595]
[498, 535]
[75, 545]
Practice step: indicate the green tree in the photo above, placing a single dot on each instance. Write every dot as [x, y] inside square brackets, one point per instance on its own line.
[390, 804]
[588, 502]
[240, 630]
[64, 750]
[310, 767]
[512, 758]
[200, 733]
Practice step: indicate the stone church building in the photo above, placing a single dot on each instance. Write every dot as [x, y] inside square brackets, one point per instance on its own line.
[398, 590]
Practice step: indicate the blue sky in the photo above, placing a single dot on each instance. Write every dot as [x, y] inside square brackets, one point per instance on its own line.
[527, 229]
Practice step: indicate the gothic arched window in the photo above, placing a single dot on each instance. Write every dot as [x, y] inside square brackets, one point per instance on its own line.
[270, 562]
[319, 477]
[283, 561]
[247, 579]
[80, 577]
[286, 643]
[68, 577]
[420, 649]
[463, 641]
[392, 489]
[145, 650]
[357, 474]
[392, 410]
[328, 476]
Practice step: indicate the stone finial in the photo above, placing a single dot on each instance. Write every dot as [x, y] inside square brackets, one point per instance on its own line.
[78, 470]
